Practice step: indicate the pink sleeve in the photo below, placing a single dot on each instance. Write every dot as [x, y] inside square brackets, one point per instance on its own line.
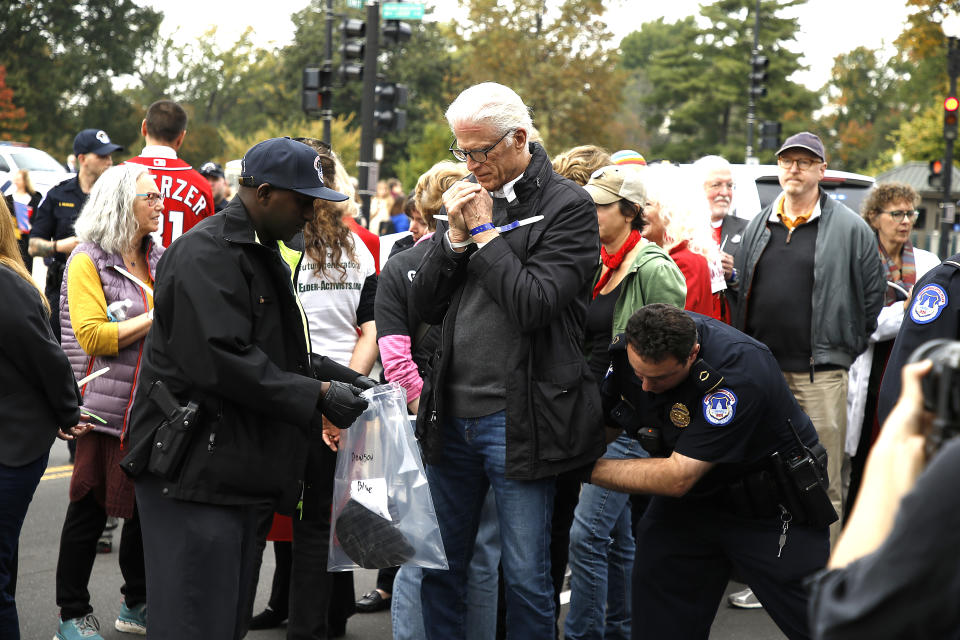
[398, 364]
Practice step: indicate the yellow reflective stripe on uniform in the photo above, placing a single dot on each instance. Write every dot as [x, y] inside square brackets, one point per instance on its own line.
[292, 258]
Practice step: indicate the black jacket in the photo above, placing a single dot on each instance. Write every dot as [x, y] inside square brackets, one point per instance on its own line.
[38, 393]
[228, 333]
[540, 274]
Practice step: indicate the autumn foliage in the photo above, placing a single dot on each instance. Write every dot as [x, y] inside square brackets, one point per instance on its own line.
[13, 119]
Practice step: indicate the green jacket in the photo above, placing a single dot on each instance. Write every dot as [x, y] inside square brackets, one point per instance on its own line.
[653, 277]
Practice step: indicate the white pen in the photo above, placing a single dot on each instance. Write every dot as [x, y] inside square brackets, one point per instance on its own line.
[95, 374]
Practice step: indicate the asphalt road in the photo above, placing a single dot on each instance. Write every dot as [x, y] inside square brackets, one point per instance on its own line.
[38, 559]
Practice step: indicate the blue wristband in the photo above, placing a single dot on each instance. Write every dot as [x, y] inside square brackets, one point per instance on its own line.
[481, 228]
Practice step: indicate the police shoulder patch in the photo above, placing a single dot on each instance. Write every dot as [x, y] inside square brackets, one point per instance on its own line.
[928, 304]
[720, 406]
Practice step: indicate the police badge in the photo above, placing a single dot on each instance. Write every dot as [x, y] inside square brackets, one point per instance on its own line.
[679, 415]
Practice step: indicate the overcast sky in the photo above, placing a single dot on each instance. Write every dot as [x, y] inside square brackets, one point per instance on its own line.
[827, 27]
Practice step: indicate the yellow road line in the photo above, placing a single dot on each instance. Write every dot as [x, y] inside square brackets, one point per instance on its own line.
[55, 473]
[65, 467]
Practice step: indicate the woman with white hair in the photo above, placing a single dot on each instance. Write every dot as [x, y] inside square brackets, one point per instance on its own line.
[678, 222]
[106, 310]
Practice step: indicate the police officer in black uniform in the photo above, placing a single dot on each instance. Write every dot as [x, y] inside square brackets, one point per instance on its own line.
[711, 406]
[214, 174]
[51, 235]
[929, 316]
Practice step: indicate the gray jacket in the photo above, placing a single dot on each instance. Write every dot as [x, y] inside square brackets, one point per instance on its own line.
[848, 281]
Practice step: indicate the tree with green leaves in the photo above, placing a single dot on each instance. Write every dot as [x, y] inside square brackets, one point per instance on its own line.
[554, 58]
[60, 55]
[868, 98]
[698, 72]
[881, 109]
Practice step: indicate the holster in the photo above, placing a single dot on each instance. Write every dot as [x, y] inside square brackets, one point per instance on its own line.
[172, 438]
[802, 478]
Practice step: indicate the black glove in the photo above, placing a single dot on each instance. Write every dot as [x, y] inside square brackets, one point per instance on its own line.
[342, 404]
[364, 383]
[370, 540]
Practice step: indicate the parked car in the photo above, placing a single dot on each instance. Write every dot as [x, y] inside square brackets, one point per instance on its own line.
[758, 185]
[45, 172]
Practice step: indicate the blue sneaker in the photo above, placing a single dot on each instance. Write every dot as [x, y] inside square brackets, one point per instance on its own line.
[132, 619]
[79, 628]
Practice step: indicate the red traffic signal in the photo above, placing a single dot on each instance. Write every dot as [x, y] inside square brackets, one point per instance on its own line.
[951, 103]
[936, 173]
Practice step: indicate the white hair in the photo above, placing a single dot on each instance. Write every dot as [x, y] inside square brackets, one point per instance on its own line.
[490, 104]
[107, 218]
[681, 209]
[708, 164]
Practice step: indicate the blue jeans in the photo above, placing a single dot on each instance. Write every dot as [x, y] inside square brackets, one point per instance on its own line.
[601, 558]
[474, 455]
[406, 615]
[17, 486]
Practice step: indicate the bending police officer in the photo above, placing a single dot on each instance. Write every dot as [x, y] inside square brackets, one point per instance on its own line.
[717, 416]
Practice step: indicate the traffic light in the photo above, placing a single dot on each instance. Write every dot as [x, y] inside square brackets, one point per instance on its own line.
[770, 135]
[317, 89]
[352, 49]
[387, 115]
[395, 32]
[758, 75]
[950, 105]
[935, 179]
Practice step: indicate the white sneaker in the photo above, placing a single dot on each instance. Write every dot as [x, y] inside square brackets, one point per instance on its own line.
[744, 600]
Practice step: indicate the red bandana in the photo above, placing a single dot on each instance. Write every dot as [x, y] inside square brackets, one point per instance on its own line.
[611, 262]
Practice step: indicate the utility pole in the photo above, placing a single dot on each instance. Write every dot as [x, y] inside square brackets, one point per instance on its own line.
[368, 166]
[757, 76]
[327, 112]
[950, 223]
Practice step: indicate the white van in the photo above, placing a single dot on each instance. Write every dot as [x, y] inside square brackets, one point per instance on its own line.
[45, 172]
[758, 185]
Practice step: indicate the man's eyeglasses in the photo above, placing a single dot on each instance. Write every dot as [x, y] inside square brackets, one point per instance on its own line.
[477, 155]
[802, 163]
[151, 198]
[900, 214]
[716, 186]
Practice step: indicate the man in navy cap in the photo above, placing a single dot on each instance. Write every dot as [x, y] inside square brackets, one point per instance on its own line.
[811, 286]
[228, 335]
[52, 233]
[213, 172]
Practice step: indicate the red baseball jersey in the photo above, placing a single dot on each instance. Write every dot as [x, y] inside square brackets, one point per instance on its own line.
[187, 198]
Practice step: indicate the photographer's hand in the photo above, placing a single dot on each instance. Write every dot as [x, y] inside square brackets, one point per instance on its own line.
[895, 461]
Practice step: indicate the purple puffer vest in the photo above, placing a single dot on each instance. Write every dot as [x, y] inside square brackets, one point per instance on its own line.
[111, 395]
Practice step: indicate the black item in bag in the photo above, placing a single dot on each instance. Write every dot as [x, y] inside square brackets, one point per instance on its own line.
[172, 437]
[370, 540]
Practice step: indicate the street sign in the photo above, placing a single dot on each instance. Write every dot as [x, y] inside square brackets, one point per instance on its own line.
[402, 11]
[355, 4]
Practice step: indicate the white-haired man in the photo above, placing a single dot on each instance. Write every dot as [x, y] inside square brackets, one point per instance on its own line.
[718, 185]
[510, 402]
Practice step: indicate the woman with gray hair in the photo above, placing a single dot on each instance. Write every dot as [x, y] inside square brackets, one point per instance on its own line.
[106, 310]
[678, 222]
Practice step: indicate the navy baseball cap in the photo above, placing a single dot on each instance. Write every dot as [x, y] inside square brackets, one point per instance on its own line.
[94, 141]
[286, 164]
[805, 140]
[211, 170]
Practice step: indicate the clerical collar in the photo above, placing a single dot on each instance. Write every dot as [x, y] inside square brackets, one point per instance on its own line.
[506, 191]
